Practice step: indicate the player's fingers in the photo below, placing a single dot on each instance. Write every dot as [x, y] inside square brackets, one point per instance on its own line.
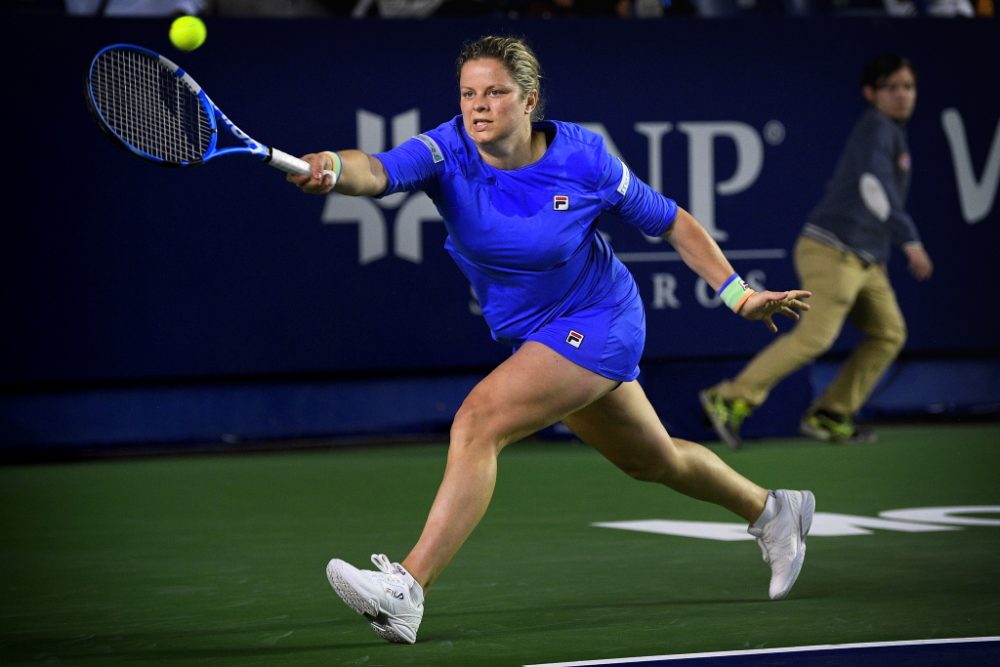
[796, 304]
[315, 175]
[302, 180]
[777, 304]
[316, 188]
[310, 185]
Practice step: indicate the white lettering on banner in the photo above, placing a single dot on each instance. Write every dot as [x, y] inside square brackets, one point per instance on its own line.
[701, 160]
[654, 139]
[825, 524]
[664, 291]
[976, 198]
[701, 167]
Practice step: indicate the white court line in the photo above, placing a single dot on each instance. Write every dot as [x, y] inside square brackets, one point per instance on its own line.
[666, 256]
[764, 651]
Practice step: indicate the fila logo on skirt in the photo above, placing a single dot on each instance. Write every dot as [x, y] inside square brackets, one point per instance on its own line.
[574, 338]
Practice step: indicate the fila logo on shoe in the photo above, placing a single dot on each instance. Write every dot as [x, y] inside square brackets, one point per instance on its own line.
[396, 594]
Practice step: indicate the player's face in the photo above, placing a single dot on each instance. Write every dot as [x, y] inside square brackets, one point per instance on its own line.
[493, 107]
[895, 96]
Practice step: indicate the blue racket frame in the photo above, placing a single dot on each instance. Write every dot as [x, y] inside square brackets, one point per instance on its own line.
[213, 114]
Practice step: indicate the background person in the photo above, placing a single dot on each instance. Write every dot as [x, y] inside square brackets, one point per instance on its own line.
[841, 258]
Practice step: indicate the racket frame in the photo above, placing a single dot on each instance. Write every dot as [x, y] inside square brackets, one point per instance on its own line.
[272, 156]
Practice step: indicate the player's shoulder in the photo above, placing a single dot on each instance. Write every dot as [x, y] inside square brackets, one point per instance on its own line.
[583, 151]
[572, 133]
[448, 138]
[448, 132]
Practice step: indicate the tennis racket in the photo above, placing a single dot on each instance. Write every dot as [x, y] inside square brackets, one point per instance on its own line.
[154, 109]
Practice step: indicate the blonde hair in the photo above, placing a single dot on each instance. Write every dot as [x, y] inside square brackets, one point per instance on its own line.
[517, 58]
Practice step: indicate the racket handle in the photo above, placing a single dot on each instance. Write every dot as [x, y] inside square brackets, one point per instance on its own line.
[293, 165]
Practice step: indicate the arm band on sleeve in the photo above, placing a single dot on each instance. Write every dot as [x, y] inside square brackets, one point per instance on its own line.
[336, 166]
[735, 292]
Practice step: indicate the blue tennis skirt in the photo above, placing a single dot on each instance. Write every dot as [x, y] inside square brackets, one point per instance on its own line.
[606, 338]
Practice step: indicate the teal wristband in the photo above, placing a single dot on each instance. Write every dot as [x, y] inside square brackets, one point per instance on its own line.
[734, 292]
[337, 166]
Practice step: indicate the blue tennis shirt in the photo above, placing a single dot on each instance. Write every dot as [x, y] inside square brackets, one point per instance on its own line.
[527, 238]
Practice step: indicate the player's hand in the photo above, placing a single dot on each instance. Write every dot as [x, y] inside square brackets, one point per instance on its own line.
[320, 181]
[763, 305]
[920, 264]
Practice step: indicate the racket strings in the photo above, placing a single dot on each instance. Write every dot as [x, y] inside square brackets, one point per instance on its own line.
[149, 107]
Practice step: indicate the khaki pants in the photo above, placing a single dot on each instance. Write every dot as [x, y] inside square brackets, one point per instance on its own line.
[843, 288]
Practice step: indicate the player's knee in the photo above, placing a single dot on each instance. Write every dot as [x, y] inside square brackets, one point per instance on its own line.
[464, 429]
[473, 428]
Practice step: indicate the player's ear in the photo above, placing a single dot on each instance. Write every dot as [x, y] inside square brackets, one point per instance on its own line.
[531, 102]
[869, 94]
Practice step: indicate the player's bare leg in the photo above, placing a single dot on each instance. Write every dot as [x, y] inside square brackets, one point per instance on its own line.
[532, 389]
[624, 427]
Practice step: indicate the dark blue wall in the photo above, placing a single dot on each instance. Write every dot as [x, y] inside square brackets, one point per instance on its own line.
[120, 276]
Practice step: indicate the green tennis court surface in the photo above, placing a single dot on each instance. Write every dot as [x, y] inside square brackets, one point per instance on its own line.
[220, 559]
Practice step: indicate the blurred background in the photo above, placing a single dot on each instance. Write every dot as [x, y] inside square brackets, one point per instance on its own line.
[147, 308]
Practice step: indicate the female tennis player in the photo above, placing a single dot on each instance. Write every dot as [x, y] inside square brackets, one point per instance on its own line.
[520, 198]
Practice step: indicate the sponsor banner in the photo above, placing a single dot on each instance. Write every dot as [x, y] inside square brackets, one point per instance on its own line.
[113, 269]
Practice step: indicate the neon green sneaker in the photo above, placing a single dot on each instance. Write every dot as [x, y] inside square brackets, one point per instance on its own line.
[726, 416]
[831, 427]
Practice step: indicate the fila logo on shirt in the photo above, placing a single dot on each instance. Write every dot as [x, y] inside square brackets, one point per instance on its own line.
[574, 338]
[560, 203]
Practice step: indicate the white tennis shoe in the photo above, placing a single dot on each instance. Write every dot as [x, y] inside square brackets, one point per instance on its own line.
[391, 598]
[782, 539]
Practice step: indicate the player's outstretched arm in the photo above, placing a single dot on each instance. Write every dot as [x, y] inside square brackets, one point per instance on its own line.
[702, 254]
[698, 249]
[358, 173]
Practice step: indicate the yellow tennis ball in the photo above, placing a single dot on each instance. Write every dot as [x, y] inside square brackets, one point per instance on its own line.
[187, 33]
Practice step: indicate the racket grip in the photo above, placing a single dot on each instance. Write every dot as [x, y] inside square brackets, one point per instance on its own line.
[293, 165]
